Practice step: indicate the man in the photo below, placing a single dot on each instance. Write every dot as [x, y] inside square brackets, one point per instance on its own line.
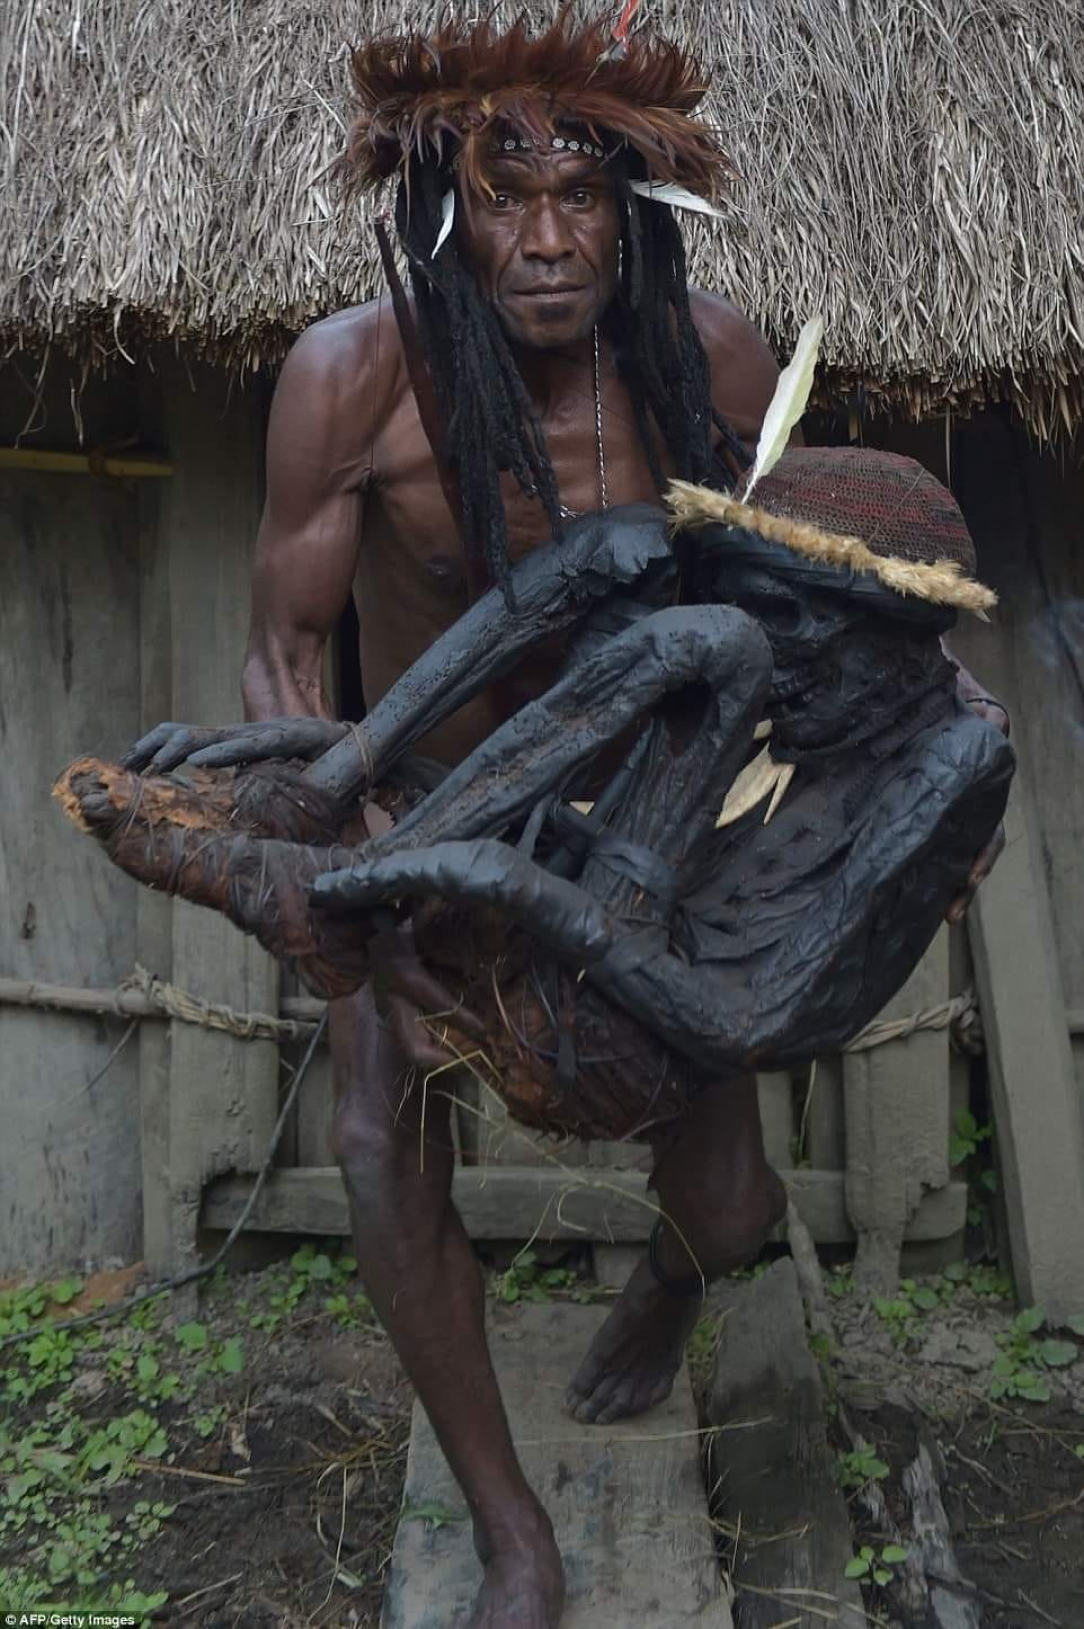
[571, 370]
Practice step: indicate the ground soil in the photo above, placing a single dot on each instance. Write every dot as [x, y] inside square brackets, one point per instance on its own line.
[1014, 1495]
[1012, 1471]
[285, 1510]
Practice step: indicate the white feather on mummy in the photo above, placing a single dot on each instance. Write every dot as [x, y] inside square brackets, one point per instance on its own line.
[788, 403]
[447, 220]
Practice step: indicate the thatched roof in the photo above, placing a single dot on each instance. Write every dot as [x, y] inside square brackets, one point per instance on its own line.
[914, 169]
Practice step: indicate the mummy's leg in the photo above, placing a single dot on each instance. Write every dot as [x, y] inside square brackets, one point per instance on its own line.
[554, 587]
[617, 684]
[505, 777]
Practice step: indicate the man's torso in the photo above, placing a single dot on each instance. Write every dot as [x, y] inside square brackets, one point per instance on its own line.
[411, 580]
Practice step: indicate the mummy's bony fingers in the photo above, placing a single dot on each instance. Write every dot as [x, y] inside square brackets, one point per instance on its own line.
[159, 740]
[485, 872]
[307, 738]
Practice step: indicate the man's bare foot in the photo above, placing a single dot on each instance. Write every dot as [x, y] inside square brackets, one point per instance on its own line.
[524, 1586]
[633, 1360]
[631, 1363]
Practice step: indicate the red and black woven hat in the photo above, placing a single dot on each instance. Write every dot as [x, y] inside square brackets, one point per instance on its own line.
[858, 509]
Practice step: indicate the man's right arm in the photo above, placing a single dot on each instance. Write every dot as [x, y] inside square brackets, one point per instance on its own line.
[318, 467]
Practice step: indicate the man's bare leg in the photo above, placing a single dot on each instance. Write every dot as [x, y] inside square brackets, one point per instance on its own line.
[717, 1192]
[424, 1281]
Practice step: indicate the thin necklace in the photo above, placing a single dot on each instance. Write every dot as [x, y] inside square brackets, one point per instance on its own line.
[604, 501]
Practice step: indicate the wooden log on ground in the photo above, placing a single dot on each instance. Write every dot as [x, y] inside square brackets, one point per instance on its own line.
[627, 1501]
[546, 1203]
[952, 1599]
[773, 1480]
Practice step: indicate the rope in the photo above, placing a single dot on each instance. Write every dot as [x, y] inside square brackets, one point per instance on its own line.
[961, 1015]
[177, 1003]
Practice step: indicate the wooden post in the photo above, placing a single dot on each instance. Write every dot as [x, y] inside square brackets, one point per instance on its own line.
[69, 677]
[897, 1115]
[1026, 925]
[1032, 1081]
[776, 1117]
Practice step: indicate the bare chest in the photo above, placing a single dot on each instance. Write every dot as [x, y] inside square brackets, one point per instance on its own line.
[597, 457]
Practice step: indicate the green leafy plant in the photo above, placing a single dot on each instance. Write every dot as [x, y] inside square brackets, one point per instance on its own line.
[967, 1137]
[527, 1280]
[857, 1469]
[840, 1283]
[876, 1568]
[1020, 1365]
[982, 1278]
[900, 1313]
[310, 1269]
[349, 1311]
[192, 1337]
[208, 1422]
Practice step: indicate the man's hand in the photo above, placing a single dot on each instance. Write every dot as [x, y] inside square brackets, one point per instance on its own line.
[418, 1008]
[983, 706]
[205, 747]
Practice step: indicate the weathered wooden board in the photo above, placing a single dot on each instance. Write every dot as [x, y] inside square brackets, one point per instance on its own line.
[223, 1093]
[1026, 509]
[896, 1099]
[774, 1480]
[615, 1264]
[1040, 1139]
[627, 1501]
[1026, 926]
[511, 1203]
[69, 684]
[775, 1098]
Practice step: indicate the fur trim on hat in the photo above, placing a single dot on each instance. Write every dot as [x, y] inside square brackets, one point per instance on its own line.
[454, 91]
[942, 583]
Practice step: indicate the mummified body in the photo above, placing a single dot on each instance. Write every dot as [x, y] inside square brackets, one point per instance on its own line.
[623, 954]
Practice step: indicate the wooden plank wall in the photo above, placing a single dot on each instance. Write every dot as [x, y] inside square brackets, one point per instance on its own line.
[1025, 510]
[209, 1102]
[69, 683]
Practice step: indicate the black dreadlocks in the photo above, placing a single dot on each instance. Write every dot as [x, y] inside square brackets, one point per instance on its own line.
[491, 424]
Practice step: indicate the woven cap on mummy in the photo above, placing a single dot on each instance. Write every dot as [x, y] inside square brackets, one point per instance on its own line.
[859, 509]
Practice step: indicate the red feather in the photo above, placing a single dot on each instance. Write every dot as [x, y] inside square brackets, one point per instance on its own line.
[624, 22]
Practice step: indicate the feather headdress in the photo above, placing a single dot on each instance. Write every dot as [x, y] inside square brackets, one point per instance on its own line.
[452, 92]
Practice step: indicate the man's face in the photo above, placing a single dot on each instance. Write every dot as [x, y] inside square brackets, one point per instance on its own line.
[544, 246]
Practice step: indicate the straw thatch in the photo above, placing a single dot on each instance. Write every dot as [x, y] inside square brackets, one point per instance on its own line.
[914, 169]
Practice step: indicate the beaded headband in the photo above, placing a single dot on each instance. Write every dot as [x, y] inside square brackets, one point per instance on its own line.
[559, 144]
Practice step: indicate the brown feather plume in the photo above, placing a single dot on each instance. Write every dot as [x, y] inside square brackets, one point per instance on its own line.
[452, 91]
